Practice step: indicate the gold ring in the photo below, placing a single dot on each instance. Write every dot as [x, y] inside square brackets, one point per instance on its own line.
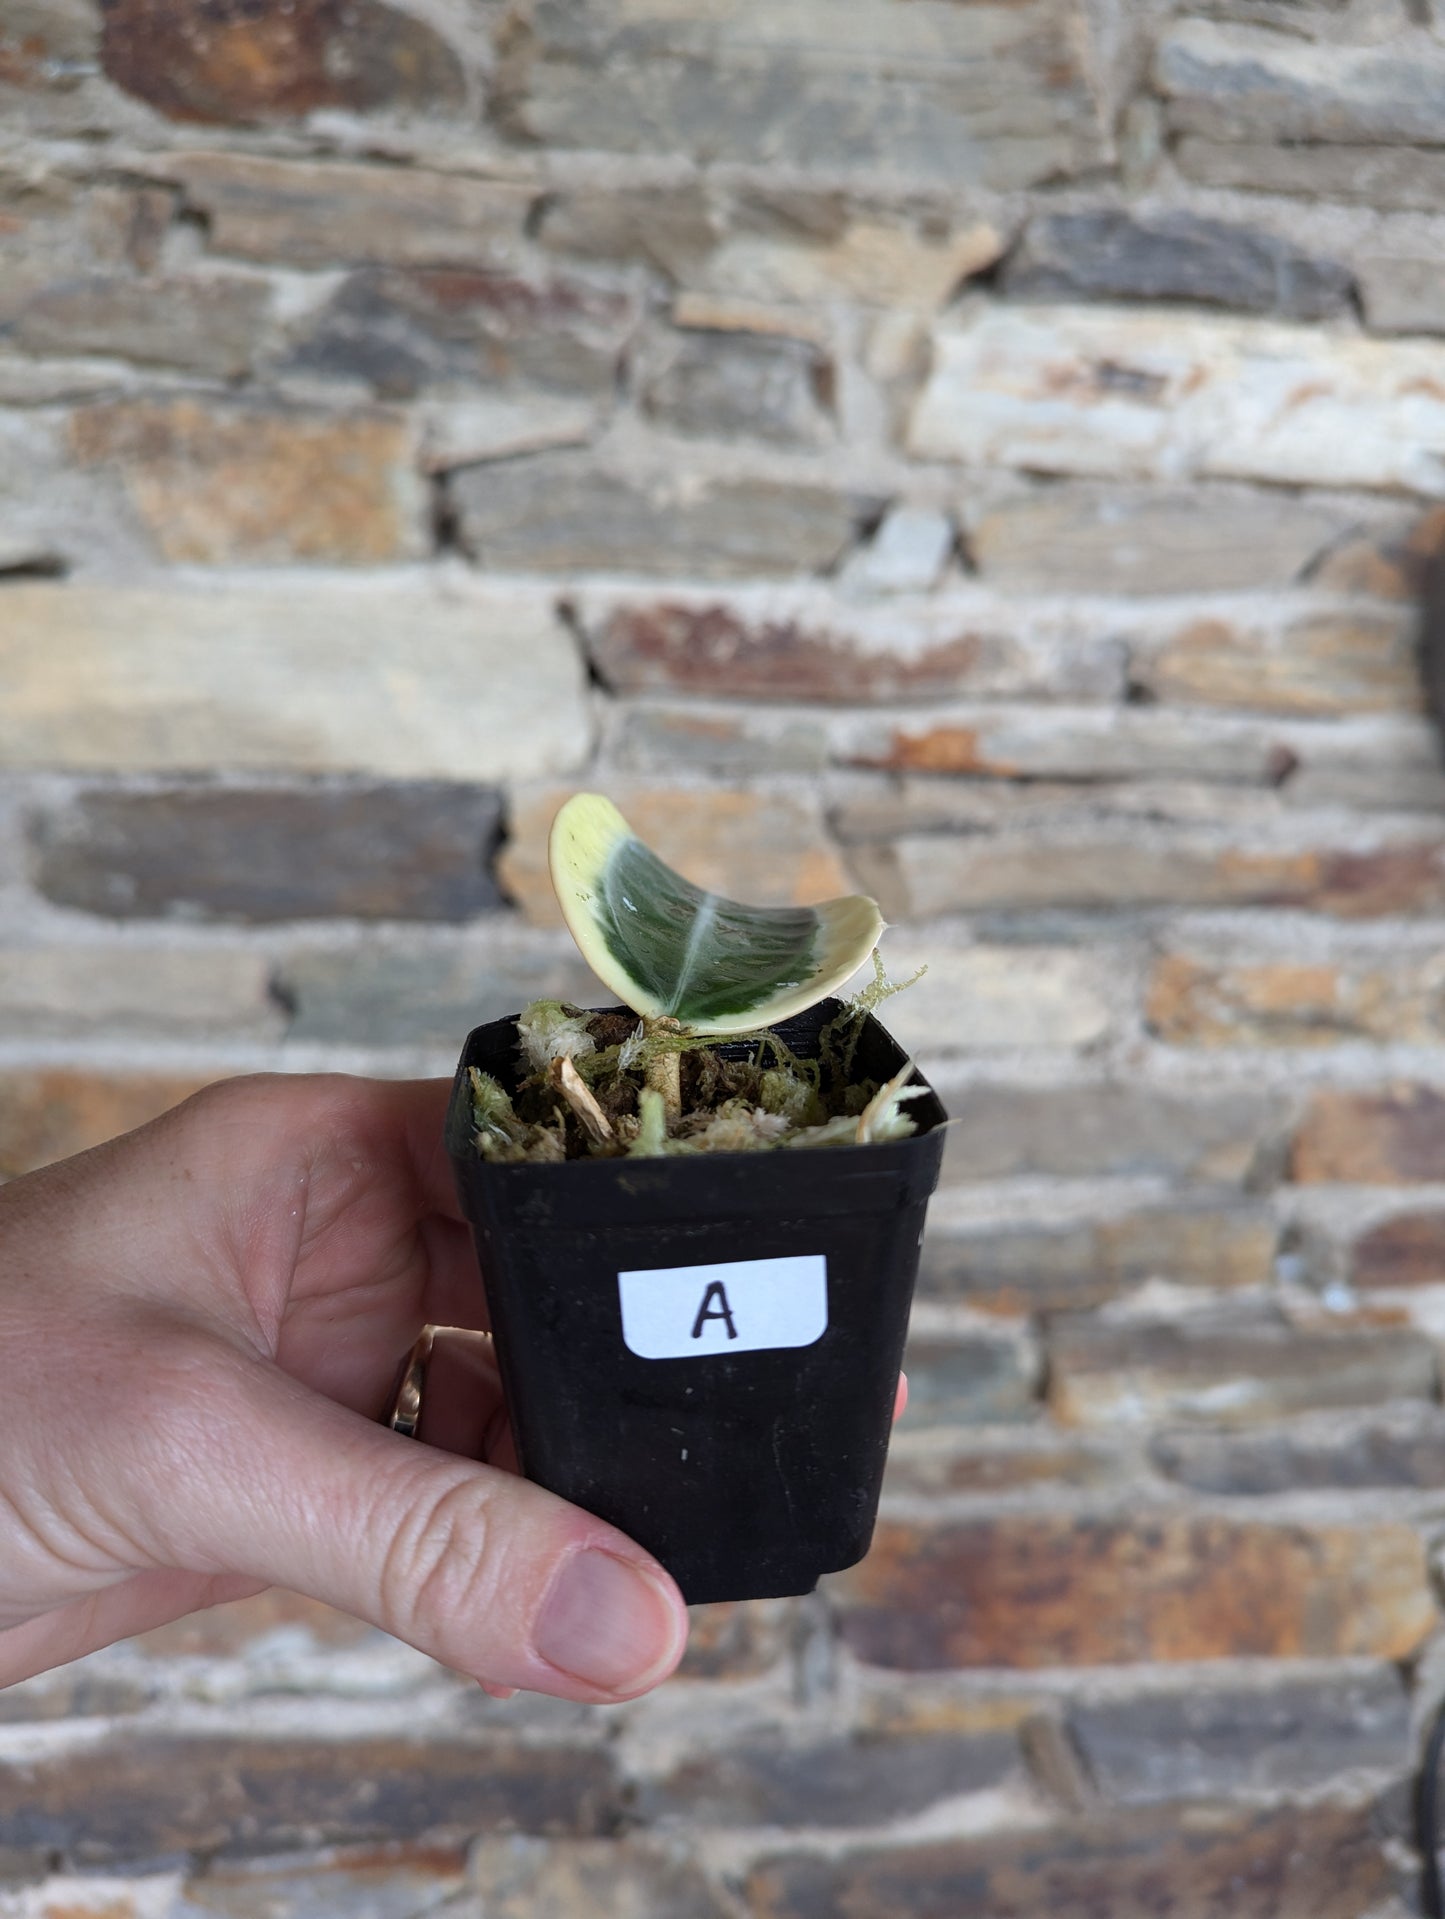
[404, 1415]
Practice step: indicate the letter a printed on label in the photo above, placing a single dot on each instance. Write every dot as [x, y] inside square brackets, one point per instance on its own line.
[736, 1306]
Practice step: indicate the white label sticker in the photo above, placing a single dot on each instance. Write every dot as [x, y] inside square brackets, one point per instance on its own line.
[739, 1306]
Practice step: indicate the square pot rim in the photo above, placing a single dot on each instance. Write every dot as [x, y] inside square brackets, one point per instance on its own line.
[881, 1155]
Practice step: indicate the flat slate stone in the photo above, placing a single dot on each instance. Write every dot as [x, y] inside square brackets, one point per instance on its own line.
[418, 850]
[999, 96]
[462, 679]
[277, 59]
[1400, 1446]
[554, 512]
[1172, 1745]
[1109, 254]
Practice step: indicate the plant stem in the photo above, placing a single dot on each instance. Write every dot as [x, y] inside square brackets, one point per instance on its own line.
[664, 1069]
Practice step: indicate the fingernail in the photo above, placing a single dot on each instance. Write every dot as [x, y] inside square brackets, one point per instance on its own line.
[606, 1622]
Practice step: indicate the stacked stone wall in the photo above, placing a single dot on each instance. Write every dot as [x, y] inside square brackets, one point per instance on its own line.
[988, 455]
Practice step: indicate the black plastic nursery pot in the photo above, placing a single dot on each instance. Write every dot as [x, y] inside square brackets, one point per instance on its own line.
[704, 1350]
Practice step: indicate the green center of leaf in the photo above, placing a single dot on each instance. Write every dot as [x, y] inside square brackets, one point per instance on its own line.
[701, 956]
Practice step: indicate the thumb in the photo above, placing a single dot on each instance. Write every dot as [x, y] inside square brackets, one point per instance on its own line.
[484, 1571]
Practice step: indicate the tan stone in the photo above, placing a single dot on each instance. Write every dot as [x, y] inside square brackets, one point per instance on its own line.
[990, 998]
[64, 992]
[1231, 1366]
[725, 313]
[526, 1878]
[51, 1112]
[1389, 564]
[770, 851]
[1065, 743]
[213, 325]
[1042, 1589]
[1128, 862]
[1143, 394]
[217, 483]
[311, 212]
[1155, 540]
[1270, 1002]
[1323, 1861]
[1326, 664]
[877, 262]
[1386, 1136]
[461, 680]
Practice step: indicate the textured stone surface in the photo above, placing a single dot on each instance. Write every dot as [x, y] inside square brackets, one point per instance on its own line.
[400, 996]
[1104, 1127]
[551, 513]
[53, 230]
[59, 992]
[40, 39]
[738, 1639]
[71, 1693]
[1323, 1863]
[142, 1797]
[1028, 1268]
[1407, 178]
[837, 1782]
[1072, 743]
[212, 325]
[520, 1878]
[651, 739]
[1002, 1464]
[790, 244]
[975, 1379]
[316, 212]
[1196, 1744]
[1270, 1002]
[52, 517]
[397, 1880]
[734, 385]
[277, 59]
[1110, 254]
[461, 432]
[669, 227]
[1245, 83]
[461, 682]
[1360, 661]
[997, 998]
[1399, 1446]
[1402, 292]
[990, 96]
[48, 1113]
[1386, 1137]
[797, 644]
[418, 851]
[1156, 540]
[404, 332]
[769, 850]
[906, 555]
[1135, 395]
[1031, 1590]
[1233, 1366]
[259, 483]
[1408, 1250]
[1130, 862]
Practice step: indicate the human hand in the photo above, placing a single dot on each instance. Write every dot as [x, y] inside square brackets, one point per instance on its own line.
[200, 1324]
